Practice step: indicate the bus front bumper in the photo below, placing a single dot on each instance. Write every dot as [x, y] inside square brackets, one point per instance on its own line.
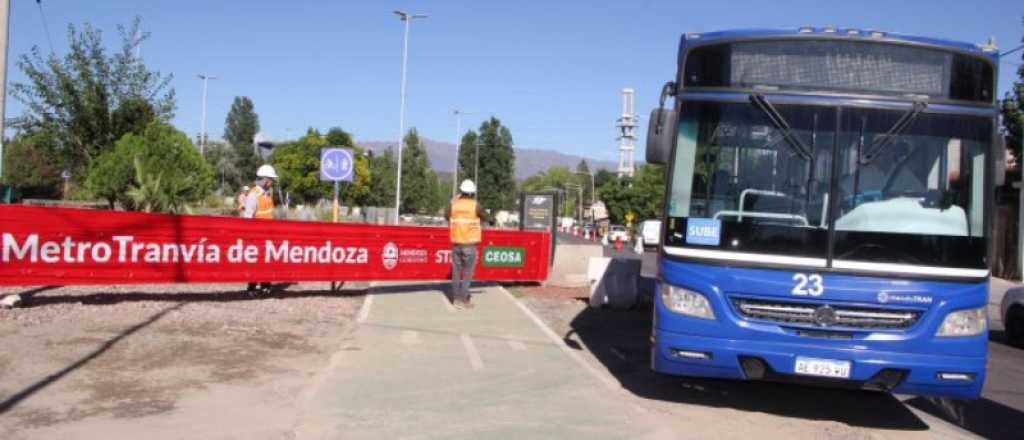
[901, 373]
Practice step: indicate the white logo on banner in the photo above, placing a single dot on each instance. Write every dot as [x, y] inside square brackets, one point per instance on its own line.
[390, 256]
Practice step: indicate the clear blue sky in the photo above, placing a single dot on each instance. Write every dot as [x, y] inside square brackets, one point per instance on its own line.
[550, 70]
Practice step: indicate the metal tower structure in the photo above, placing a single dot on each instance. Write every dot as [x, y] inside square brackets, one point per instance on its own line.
[627, 134]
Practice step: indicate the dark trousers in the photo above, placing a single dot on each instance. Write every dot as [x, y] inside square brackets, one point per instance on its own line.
[463, 264]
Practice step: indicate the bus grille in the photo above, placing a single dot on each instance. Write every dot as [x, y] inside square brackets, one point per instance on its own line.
[826, 315]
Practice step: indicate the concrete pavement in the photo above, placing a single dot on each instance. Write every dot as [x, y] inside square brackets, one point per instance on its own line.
[416, 368]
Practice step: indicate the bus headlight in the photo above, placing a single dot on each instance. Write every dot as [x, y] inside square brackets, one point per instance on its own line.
[971, 322]
[686, 302]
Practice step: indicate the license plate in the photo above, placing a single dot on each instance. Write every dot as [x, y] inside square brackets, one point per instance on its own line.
[822, 367]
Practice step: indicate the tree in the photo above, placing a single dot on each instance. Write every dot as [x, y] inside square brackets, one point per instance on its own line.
[1013, 114]
[382, 179]
[88, 100]
[133, 115]
[583, 176]
[240, 128]
[32, 165]
[298, 166]
[162, 160]
[418, 180]
[438, 194]
[153, 193]
[558, 178]
[497, 186]
[643, 195]
[357, 193]
[467, 156]
[336, 137]
[224, 161]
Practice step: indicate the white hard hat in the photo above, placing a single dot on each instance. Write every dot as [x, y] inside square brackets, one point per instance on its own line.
[467, 187]
[266, 171]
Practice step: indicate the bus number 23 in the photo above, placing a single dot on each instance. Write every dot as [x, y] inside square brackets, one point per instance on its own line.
[808, 285]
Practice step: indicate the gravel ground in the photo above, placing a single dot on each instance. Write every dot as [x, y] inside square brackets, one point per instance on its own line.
[165, 361]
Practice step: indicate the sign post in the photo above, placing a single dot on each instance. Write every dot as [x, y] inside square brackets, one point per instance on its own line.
[538, 212]
[336, 165]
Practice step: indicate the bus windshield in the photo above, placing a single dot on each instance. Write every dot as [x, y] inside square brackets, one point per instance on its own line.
[776, 180]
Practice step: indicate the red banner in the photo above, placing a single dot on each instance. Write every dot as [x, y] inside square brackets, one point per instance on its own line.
[44, 246]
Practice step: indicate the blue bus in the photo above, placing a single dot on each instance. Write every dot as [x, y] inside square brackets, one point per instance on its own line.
[828, 210]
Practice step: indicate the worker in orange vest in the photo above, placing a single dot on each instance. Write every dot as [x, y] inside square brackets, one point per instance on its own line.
[464, 217]
[259, 203]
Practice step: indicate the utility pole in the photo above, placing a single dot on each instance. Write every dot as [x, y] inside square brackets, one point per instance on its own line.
[407, 18]
[5, 15]
[458, 143]
[202, 134]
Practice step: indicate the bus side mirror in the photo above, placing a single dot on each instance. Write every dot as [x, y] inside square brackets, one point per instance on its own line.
[661, 130]
[1000, 161]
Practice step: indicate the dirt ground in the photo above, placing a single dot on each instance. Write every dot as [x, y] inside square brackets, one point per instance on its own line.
[181, 361]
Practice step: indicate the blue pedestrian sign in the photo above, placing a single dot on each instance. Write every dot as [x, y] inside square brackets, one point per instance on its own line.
[336, 164]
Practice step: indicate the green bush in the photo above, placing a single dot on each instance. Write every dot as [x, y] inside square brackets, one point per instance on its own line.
[157, 170]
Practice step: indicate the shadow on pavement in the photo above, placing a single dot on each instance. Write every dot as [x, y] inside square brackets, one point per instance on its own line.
[279, 291]
[12, 401]
[619, 339]
[984, 417]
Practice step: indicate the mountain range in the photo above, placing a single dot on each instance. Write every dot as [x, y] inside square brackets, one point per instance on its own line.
[528, 161]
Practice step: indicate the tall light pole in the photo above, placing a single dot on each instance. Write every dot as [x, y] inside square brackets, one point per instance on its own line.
[579, 199]
[593, 191]
[202, 134]
[407, 18]
[5, 15]
[458, 143]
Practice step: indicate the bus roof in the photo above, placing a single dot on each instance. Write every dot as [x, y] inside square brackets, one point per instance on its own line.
[843, 33]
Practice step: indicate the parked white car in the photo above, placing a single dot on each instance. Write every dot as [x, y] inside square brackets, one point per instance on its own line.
[1012, 311]
[618, 232]
[649, 233]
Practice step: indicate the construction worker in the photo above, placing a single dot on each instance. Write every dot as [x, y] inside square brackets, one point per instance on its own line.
[464, 217]
[242, 195]
[259, 203]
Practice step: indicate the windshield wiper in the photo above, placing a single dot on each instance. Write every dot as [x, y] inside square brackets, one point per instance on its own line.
[780, 124]
[884, 140]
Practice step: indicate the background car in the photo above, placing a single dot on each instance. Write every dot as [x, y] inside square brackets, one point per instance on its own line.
[1012, 311]
[618, 232]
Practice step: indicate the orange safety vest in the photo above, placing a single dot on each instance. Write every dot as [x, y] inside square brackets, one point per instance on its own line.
[264, 203]
[465, 224]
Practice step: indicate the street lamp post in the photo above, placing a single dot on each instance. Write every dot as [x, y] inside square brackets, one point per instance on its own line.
[5, 15]
[458, 144]
[407, 18]
[202, 133]
[579, 199]
[593, 190]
